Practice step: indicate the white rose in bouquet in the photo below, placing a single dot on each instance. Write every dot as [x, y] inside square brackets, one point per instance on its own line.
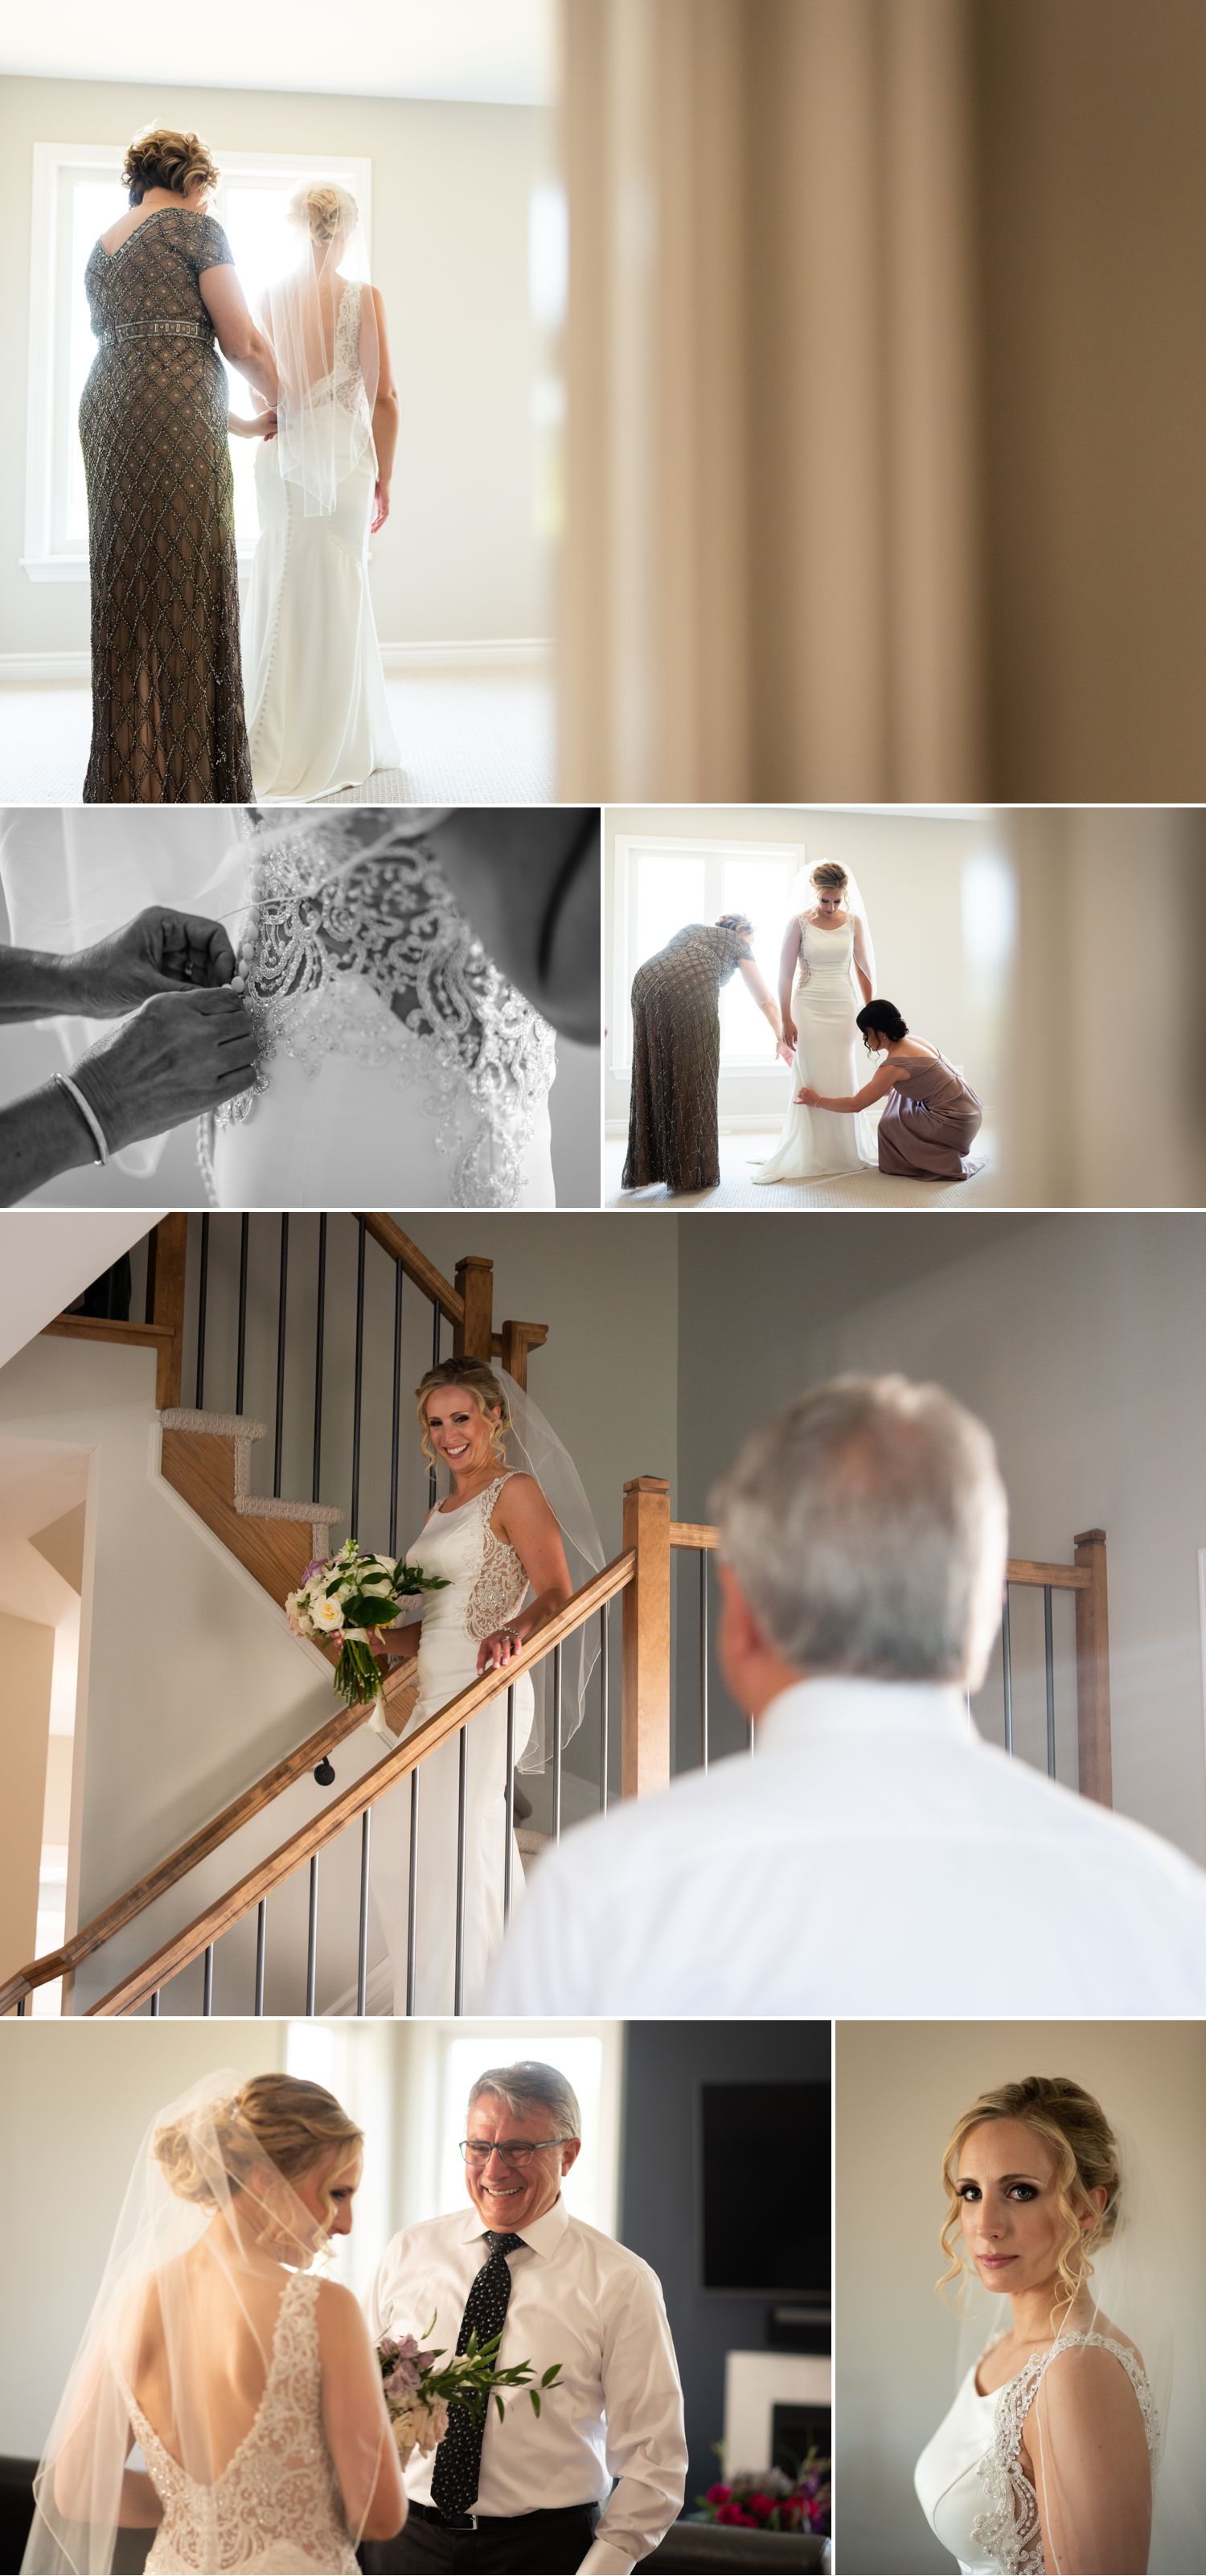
[349, 1596]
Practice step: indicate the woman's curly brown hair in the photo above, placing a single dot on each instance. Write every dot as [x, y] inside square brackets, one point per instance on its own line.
[161, 158]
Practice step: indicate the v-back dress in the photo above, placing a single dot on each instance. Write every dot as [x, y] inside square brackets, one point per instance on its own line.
[970, 2483]
[486, 1584]
[673, 1124]
[930, 1119]
[167, 685]
[276, 2509]
[816, 1143]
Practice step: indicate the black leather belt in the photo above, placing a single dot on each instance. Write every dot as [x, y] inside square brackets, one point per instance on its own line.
[495, 2521]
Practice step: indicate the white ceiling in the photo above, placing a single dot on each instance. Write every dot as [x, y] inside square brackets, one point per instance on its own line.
[498, 52]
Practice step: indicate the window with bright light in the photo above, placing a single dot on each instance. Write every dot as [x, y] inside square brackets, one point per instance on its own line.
[76, 197]
[662, 885]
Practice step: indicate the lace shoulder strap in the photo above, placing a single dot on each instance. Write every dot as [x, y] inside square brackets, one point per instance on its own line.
[1009, 2530]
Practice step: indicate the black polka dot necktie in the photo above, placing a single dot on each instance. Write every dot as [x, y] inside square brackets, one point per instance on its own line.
[458, 2460]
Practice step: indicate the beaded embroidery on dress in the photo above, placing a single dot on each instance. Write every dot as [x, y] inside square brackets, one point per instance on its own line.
[1009, 2531]
[502, 1583]
[367, 956]
[275, 2509]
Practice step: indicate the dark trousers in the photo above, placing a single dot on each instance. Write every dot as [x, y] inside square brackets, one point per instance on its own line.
[530, 2544]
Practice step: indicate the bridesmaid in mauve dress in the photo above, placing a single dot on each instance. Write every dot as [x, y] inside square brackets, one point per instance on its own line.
[673, 1128]
[167, 686]
[931, 1116]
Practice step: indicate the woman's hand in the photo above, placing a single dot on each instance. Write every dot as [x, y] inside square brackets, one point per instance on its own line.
[498, 1649]
[263, 425]
[806, 1099]
[380, 506]
[160, 951]
[789, 1034]
[786, 1054]
[393, 1646]
[179, 1056]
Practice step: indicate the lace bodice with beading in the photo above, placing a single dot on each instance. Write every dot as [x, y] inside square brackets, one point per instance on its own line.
[275, 2510]
[485, 1579]
[1008, 2529]
[355, 947]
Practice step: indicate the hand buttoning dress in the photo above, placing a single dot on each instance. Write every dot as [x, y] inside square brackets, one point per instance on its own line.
[817, 1143]
[167, 688]
[486, 1585]
[970, 2483]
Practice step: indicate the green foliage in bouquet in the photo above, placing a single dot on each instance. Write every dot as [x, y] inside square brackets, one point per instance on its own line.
[343, 1598]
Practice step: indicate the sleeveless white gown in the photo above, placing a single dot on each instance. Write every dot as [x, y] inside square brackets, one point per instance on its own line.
[970, 2484]
[276, 2509]
[486, 1584]
[317, 712]
[815, 1144]
[398, 1067]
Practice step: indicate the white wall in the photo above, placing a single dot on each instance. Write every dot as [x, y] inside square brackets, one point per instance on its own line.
[460, 557]
[1079, 1340]
[911, 872]
[901, 2086]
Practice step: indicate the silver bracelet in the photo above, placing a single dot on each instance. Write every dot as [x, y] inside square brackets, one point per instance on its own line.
[87, 1113]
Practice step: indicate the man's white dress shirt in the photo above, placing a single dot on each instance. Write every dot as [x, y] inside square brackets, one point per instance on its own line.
[616, 2410]
[874, 1857]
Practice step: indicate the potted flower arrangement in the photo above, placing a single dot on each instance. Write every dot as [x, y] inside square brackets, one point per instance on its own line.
[769, 2500]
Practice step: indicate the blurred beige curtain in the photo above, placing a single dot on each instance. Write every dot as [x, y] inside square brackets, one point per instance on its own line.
[770, 576]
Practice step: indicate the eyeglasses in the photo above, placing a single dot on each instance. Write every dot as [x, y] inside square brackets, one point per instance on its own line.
[515, 2152]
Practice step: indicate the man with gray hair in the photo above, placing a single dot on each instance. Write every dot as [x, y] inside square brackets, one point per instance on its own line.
[535, 2492]
[876, 1857]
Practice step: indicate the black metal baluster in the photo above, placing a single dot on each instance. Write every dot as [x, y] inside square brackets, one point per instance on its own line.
[703, 1657]
[396, 1443]
[202, 1292]
[312, 1935]
[241, 1346]
[1007, 1671]
[362, 1946]
[462, 1796]
[604, 1731]
[320, 1317]
[280, 1359]
[436, 1321]
[358, 1385]
[261, 1944]
[155, 2005]
[509, 1846]
[1049, 1654]
[413, 1892]
[557, 1745]
[207, 1985]
[21, 2008]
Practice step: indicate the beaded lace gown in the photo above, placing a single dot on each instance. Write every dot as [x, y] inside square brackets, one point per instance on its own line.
[398, 1066]
[486, 1585]
[673, 1124]
[970, 2483]
[815, 1143]
[318, 719]
[167, 686]
[275, 2510]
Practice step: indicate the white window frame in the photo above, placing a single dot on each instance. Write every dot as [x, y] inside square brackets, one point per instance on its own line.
[42, 559]
[630, 848]
[419, 2142]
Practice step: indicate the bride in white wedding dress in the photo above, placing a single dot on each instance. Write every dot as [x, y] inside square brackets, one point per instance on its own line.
[317, 713]
[500, 1547]
[827, 951]
[225, 2396]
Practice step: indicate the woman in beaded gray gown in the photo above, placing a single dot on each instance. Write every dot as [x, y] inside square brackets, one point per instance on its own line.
[673, 1126]
[167, 687]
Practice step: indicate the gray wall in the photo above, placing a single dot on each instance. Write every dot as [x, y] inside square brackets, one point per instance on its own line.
[665, 2064]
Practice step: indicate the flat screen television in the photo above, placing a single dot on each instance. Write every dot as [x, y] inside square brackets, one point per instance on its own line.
[766, 2188]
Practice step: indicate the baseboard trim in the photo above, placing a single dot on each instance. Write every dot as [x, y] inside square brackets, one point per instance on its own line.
[475, 653]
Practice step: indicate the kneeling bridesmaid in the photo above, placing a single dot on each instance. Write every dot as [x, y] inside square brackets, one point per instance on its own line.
[931, 1116]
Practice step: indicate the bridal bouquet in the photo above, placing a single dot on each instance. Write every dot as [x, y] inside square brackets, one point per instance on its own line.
[345, 1597]
[418, 2393]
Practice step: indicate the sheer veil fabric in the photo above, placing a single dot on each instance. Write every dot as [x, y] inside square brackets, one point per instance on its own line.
[321, 321]
[197, 2385]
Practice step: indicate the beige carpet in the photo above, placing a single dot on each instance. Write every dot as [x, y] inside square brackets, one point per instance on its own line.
[739, 1189]
[468, 738]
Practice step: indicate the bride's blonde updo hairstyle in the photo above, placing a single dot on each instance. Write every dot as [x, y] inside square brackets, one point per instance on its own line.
[280, 2120]
[828, 877]
[489, 1395]
[161, 158]
[1086, 2152]
[326, 211]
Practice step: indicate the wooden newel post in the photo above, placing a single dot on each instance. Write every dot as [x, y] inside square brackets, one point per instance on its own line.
[167, 1260]
[473, 1337]
[645, 1727]
[1093, 1672]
